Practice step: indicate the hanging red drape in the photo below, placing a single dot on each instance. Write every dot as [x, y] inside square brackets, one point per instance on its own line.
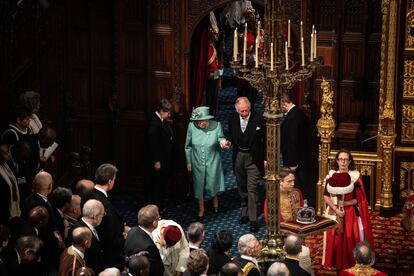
[200, 68]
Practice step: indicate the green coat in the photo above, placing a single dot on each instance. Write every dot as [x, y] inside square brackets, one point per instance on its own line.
[202, 151]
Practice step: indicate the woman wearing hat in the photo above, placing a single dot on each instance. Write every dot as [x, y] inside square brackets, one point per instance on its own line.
[347, 203]
[202, 150]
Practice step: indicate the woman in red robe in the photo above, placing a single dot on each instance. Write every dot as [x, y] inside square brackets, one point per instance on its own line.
[347, 203]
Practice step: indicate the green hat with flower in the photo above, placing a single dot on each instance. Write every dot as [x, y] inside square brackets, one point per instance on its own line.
[201, 113]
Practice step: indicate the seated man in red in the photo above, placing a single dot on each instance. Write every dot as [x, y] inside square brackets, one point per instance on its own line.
[290, 198]
[364, 258]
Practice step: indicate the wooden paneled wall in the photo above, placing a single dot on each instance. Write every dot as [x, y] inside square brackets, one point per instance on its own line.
[349, 40]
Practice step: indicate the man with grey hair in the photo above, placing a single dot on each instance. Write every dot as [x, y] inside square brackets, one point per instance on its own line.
[195, 233]
[278, 269]
[140, 239]
[247, 134]
[112, 271]
[24, 251]
[293, 247]
[249, 248]
[93, 212]
[112, 228]
[160, 146]
[364, 258]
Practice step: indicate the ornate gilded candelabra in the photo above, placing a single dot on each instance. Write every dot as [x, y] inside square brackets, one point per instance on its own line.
[275, 73]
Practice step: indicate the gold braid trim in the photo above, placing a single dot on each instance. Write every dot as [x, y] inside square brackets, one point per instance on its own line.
[246, 269]
[362, 270]
[213, 56]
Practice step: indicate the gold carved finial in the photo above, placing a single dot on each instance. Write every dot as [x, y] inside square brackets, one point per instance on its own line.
[326, 127]
[327, 100]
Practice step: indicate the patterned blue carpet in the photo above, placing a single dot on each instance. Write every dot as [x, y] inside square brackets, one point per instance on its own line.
[229, 213]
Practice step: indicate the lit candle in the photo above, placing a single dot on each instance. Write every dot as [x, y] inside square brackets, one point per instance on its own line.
[313, 28]
[315, 45]
[311, 48]
[271, 56]
[286, 56]
[245, 44]
[301, 29]
[235, 45]
[289, 32]
[303, 52]
[256, 53]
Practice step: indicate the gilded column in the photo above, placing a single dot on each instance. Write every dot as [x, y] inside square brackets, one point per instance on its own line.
[326, 127]
[386, 130]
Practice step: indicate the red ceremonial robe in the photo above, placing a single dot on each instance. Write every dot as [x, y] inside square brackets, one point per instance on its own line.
[339, 243]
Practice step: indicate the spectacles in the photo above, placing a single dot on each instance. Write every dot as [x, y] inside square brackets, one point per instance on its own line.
[342, 159]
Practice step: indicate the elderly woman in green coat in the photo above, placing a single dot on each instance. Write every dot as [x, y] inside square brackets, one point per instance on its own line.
[204, 140]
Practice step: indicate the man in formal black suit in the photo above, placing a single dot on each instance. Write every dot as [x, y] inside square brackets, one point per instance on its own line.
[293, 247]
[61, 198]
[4, 240]
[195, 234]
[140, 238]
[249, 249]
[247, 134]
[112, 228]
[294, 142]
[160, 142]
[42, 187]
[92, 214]
[17, 258]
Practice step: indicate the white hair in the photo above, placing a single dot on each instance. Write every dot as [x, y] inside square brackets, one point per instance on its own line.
[112, 271]
[278, 269]
[91, 208]
[246, 243]
[240, 100]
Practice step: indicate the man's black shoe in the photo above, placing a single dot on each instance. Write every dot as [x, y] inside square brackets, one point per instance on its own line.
[243, 220]
[254, 227]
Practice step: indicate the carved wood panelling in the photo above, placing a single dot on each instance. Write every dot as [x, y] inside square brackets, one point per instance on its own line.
[327, 15]
[406, 179]
[407, 132]
[408, 89]
[354, 15]
[349, 32]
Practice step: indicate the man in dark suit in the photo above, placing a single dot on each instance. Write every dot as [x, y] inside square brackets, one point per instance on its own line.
[247, 134]
[17, 259]
[92, 214]
[140, 238]
[61, 198]
[294, 135]
[112, 228]
[249, 249]
[293, 247]
[160, 142]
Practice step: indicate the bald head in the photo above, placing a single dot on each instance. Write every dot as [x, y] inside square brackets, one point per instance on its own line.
[43, 183]
[84, 186]
[74, 210]
[82, 237]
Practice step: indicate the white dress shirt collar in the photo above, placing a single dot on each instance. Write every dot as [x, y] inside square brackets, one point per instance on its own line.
[149, 233]
[101, 190]
[80, 253]
[159, 116]
[289, 109]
